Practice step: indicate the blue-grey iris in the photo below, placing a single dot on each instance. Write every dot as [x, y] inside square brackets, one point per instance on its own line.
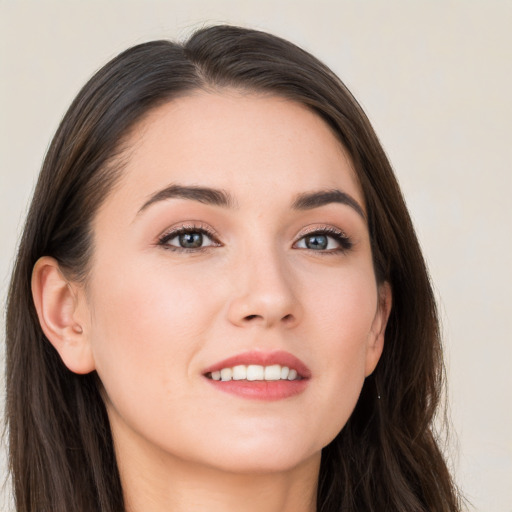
[191, 240]
[318, 242]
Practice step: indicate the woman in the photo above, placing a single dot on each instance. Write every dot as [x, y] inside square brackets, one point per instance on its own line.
[219, 300]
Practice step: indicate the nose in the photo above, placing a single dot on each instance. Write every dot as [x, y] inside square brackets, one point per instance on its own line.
[264, 293]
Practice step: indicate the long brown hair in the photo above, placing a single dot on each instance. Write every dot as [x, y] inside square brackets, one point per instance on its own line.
[61, 451]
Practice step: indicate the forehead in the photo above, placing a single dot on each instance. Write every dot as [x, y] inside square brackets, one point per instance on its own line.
[241, 142]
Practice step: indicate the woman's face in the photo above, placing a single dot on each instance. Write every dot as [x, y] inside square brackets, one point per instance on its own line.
[236, 237]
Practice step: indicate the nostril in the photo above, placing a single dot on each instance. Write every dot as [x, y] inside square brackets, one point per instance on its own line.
[287, 318]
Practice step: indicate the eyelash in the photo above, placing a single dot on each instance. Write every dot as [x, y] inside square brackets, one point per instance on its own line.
[345, 243]
[188, 229]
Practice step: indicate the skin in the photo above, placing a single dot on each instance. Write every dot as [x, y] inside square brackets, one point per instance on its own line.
[151, 319]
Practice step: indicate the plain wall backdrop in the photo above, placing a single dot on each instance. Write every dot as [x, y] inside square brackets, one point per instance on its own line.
[435, 78]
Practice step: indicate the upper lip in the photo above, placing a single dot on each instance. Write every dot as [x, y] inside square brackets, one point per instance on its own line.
[279, 357]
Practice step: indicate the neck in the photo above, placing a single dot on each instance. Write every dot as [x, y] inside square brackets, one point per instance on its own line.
[181, 486]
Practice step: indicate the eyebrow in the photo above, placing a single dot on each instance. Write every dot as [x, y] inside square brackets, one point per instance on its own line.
[206, 195]
[311, 200]
[220, 197]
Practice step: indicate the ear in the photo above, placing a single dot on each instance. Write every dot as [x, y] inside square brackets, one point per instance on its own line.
[60, 306]
[376, 337]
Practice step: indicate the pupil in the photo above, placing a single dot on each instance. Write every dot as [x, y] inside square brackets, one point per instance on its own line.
[191, 240]
[316, 242]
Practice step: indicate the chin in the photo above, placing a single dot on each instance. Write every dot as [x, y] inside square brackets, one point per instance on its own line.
[251, 464]
[260, 454]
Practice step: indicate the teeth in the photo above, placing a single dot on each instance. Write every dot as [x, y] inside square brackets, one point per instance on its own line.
[226, 374]
[239, 372]
[273, 372]
[255, 372]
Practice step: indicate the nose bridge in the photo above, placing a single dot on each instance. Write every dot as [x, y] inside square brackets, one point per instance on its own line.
[263, 288]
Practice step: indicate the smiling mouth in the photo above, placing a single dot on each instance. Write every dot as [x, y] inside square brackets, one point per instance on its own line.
[259, 375]
[255, 372]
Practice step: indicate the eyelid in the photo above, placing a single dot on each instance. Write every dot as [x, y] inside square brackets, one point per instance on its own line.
[324, 228]
[186, 227]
[345, 242]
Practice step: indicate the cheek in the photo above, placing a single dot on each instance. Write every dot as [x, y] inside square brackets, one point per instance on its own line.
[344, 307]
[150, 307]
[343, 317]
[146, 329]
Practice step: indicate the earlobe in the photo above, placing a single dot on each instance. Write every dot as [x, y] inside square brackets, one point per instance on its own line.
[57, 304]
[377, 334]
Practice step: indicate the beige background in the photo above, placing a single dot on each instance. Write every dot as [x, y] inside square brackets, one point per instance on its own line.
[435, 79]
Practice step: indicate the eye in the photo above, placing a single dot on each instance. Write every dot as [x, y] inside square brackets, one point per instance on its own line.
[188, 239]
[325, 240]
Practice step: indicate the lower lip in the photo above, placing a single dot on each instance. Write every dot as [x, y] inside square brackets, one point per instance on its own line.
[262, 389]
